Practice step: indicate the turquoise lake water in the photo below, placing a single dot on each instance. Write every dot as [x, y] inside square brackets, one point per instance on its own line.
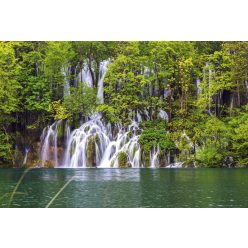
[131, 188]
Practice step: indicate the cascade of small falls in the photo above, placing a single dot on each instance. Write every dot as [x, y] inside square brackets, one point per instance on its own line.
[95, 138]
[93, 133]
[126, 142]
[96, 143]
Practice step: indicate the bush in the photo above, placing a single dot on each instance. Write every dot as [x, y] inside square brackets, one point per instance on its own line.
[81, 100]
[6, 150]
[155, 135]
[210, 156]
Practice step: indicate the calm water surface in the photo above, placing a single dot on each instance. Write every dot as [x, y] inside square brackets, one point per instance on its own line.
[126, 188]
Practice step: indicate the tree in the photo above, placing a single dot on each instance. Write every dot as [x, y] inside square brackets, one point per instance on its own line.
[81, 101]
[9, 98]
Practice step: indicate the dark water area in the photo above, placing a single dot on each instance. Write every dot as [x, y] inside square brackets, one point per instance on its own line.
[130, 188]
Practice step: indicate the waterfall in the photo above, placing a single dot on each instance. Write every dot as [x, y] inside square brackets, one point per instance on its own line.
[49, 140]
[102, 72]
[125, 143]
[190, 143]
[154, 157]
[139, 117]
[92, 144]
[85, 76]
[65, 72]
[27, 149]
[97, 143]
[94, 132]
[163, 115]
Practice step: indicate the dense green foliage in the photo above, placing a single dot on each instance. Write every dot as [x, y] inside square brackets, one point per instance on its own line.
[81, 100]
[154, 135]
[202, 86]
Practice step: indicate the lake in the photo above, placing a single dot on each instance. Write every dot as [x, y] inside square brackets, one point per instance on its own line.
[131, 188]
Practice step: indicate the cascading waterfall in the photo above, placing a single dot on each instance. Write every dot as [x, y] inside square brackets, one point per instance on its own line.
[93, 137]
[49, 141]
[126, 142]
[93, 131]
[96, 143]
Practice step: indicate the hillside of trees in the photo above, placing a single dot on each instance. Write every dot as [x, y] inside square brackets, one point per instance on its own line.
[201, 86]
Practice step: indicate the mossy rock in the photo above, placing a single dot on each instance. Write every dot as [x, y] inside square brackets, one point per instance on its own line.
[146, 158]
[91, 150]
[48, 164]
[189, 163]
[32, 164]
[123, 161]
[60, 131]
[112, 164]
[162, 160]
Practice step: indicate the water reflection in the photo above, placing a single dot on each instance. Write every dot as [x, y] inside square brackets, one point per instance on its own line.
[126, 187]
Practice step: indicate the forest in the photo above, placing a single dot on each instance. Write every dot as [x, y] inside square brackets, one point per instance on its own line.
[165, 102]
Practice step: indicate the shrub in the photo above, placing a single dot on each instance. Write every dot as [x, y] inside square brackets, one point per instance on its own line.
[210, 156]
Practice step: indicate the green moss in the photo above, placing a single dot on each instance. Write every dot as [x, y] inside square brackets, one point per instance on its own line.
[60, 130]
[189, 162]
[48, 164]
[146, 158]
[35, 163]
[112, 164]
[91, 150]
[123, 160]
